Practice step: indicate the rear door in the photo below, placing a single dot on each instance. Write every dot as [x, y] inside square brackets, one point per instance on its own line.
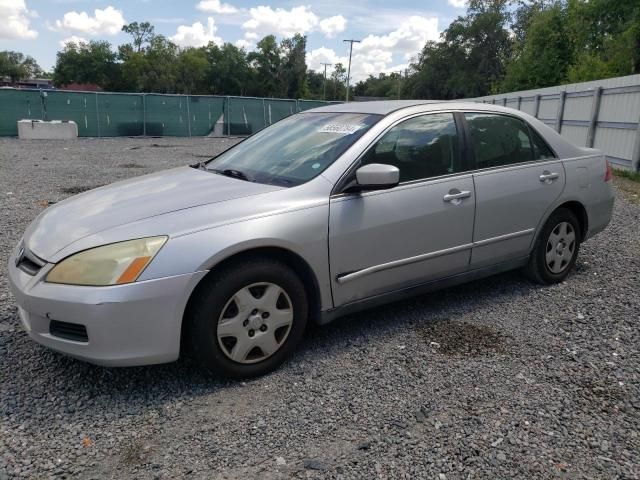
[517, 179]
[387, 240]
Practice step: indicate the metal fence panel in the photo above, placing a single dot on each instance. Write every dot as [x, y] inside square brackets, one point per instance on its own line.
[245, 115]
[81, 107]
[623, 107]
[166, 115]
[18, 105]
[309, 104]
[279, 109]
[120, 115]
[106, 114]
[204, 113]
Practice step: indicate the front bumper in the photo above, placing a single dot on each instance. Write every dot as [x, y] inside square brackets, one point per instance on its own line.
[127, 325]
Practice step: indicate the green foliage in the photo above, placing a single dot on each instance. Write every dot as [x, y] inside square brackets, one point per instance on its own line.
[545, 54]
[496, 46]
[92, 62]
[140, 32]
[17, 66]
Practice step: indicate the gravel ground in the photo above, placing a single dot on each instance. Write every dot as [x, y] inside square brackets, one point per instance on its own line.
[493, 379]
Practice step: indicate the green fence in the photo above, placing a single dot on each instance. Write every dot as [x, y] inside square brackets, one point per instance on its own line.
[102, 114]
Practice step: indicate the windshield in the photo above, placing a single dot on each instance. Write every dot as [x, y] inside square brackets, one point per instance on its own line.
[294, 150]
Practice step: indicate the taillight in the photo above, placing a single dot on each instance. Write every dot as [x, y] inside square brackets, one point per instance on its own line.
[609, 173]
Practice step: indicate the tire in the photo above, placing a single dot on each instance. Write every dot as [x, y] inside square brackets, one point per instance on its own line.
[556, 249]
[237, 319]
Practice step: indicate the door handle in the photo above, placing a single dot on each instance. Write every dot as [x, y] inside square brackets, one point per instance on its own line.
[548, 177]
[455, 196]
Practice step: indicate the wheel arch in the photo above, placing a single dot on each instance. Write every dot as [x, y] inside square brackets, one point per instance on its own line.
[294, 261]
[574, 206]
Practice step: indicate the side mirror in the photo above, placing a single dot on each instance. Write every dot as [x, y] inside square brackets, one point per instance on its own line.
[377, 176]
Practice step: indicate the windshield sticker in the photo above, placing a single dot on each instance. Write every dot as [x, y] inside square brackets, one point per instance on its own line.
[340, 128]
[315, 166]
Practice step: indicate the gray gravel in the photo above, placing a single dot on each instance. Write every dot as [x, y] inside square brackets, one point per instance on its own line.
[493, 379]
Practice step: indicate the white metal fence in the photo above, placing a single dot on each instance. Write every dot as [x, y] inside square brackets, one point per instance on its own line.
[603, 114]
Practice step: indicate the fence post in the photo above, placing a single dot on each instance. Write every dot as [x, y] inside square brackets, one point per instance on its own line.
[144, 114]
[593, 121]
[559, 117]
[536, 105]
[98, 114]
[264, 114]
[504, 102]
[229, 116]
[519, 102]
[188, 115]
[635, 156]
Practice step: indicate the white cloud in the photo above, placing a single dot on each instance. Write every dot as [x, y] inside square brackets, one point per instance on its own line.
[215, 6]
[15, 20]
[375, 54]
[72, 39]
[458, 3]
[332, 25]
[104, 22]
[196, 35]
[265, 21]
[242, 43]
[408, 39]
[251, 35]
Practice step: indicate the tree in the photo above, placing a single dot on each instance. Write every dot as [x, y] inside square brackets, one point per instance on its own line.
[141, 32]
[266, 60]
[17, 66]
[293, 68]
[546, 54]
[228, 71]
[93, 62]
[338, 81]
[160, 66]
[191, 71]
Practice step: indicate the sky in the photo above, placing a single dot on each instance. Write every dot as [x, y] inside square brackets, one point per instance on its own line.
[391, 33]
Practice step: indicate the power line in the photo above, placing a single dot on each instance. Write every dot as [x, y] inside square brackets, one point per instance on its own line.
[324, 86]
[351, 42]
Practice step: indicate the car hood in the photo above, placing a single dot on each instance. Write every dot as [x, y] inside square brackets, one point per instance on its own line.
[129, 201]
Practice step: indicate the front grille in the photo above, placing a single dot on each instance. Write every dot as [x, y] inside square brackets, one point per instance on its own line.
[29, 263]
[68, 331]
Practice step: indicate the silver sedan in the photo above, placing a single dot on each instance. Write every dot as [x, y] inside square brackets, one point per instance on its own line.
[324, 213]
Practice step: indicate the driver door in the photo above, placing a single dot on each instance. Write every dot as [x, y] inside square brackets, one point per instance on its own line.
[420, 230]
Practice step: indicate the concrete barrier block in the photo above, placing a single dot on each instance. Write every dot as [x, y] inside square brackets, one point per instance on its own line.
[41, 130]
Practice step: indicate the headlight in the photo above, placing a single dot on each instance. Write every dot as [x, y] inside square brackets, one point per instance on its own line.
[113, 264]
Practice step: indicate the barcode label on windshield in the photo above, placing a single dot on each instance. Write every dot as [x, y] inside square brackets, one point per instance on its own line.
[340, 128]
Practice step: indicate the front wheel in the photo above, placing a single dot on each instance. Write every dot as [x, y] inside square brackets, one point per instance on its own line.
[556, 249]
[246, 319]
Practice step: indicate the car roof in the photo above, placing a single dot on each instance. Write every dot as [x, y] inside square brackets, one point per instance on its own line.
[385, 107]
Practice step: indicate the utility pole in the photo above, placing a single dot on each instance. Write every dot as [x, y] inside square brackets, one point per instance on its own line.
[351, 42]
[324, 86]
[399, 72]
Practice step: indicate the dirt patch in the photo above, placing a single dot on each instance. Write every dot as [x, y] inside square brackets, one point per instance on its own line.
[135, 453]
[629, 187]
[451, 337]
[78, 189]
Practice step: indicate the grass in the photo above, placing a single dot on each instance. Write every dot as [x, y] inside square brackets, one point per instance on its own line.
[634, 176]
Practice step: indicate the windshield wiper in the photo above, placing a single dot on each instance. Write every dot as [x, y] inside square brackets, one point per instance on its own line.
[231, 173]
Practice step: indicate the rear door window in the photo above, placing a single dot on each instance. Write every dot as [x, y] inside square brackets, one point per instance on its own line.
[499, 140]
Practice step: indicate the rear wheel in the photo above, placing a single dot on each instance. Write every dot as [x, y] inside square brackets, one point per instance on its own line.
[556, 248]
[246, 319]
